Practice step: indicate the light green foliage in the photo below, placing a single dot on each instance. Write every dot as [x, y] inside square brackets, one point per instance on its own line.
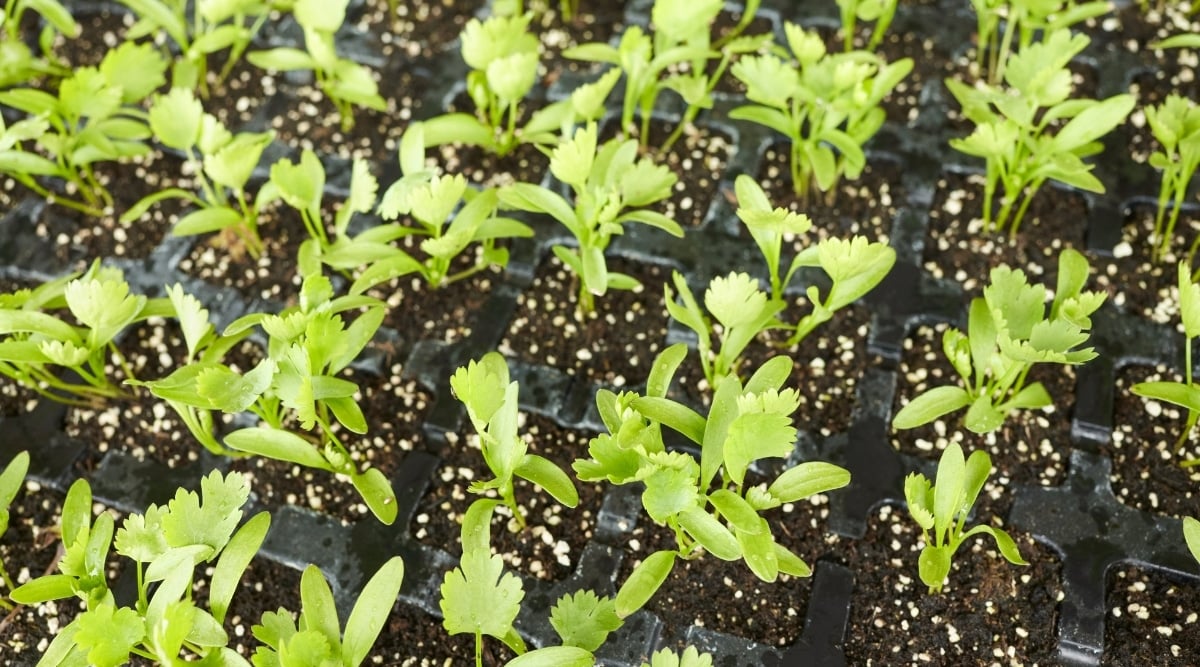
[689, 658]
[346, 83]
[1013, 127]
[1176, 125]
[318, 639]
[584, 619]
[18, 64]
[1009, 331]
[503, 57]
[296, 385]
[479, 598]
[38, 339]
[166, 544]
[1023, 20]
[491, 401]
[675, 58]
[942, 509]
[612, 188]
[879, 11]
[222, 164]
[1191, 535]
[746, 423]
[215, 26]
[1185, 394]
[93, 118]
[12, 480]
[828, 106]
[429, 199]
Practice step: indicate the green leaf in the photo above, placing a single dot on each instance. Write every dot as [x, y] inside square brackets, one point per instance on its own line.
[1004, 543]
[43, 589]
[710, 533]
[753, 436]
[555, 656]
[108, 634]
[136, 70]
[175, 119]
[207, 220]
[1189, 302]
[282, 59]
[536, 199]
[571, 162]
[918, 494]
[235, 557]
[479, 598]
[317, 609]
[301, 184]
[233, 163]
[377, 493]
[1191, 535]
[1177, 393]
[948, 488]
[931, 405]
[675, 415]
[1093, 122]
[644, 582]
[277, 444]
[983, 416]
[933, 565]
[807, 479]
[584, 620]
[544, 473]
[211, 523]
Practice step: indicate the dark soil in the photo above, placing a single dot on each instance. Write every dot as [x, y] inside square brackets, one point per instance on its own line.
[1134, 281]
[593, 22]
[554, 536]
[958, 248]
[413, 638]
[616, 344]
[990, 612]
[1151, 618]
[419, 28]
[1146, 472]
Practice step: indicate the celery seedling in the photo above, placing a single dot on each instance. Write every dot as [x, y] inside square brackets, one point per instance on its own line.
[880, 11]
[222, 164]
[612, 187]
[1012, 126]
[941, 510]
[17, 63]
[12, 479]
[1185, 394]
[828, 107]
[346, 83]
[1023, 19]
[1008, 331]
[689, 658]
[1176, 125]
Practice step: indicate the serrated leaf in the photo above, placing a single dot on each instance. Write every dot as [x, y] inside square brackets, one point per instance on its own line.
[479, 597]
[584, 620]
[108, 634]
[211, 521]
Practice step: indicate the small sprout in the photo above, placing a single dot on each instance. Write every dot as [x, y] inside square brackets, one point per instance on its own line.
[941, 511]
[12, 480]
[479, 598]
[1176, 125]
[1025, 20]
[18, 64]
[1008, 332]
[689, 658]
[879, 11]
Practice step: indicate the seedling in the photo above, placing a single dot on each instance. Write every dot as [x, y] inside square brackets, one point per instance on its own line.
[165, 544]
[216, 25]
[681, 44]
[319, 639]
[746, 423]
[346, 83]
[18, 65]
[1023, 19]
[828, 107]
[880, 11]
[491, 401]
[430, 199]
[94, 118]
[36, 343]
[1185, 394]
[222, 164]
[503, 58]
[12, 479]
[941, 511]
[612, 187]
[308, 346]
[1008, 331]
[1176, 125]
[1012, 128]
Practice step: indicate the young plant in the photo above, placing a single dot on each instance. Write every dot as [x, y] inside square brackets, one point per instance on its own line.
[297, 383]
[18, 64]
[941, 510]
[682, 45]
[1023, 19]
[503, 57]
[221, 163]
[491, 401]
[36, 344]
[1176, 125]
[612, 188]
[479, 598]
[12, 480]
[319, 639]
[880, 11]
[829, 107]
[216, 25]
[346, 83]
[1185, 394]
[166, 544]
[746, 423]
[1008, 331]
[429, 199]
[1013, 123]
[94, 118]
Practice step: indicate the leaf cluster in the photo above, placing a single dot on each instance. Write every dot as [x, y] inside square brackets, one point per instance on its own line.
[941, 510]
[1009, 331]
[18, 64]
[1014, 122]
[826, 104]
[612, 188]
[880, 11]
[1176, 125]
[1023, 20]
